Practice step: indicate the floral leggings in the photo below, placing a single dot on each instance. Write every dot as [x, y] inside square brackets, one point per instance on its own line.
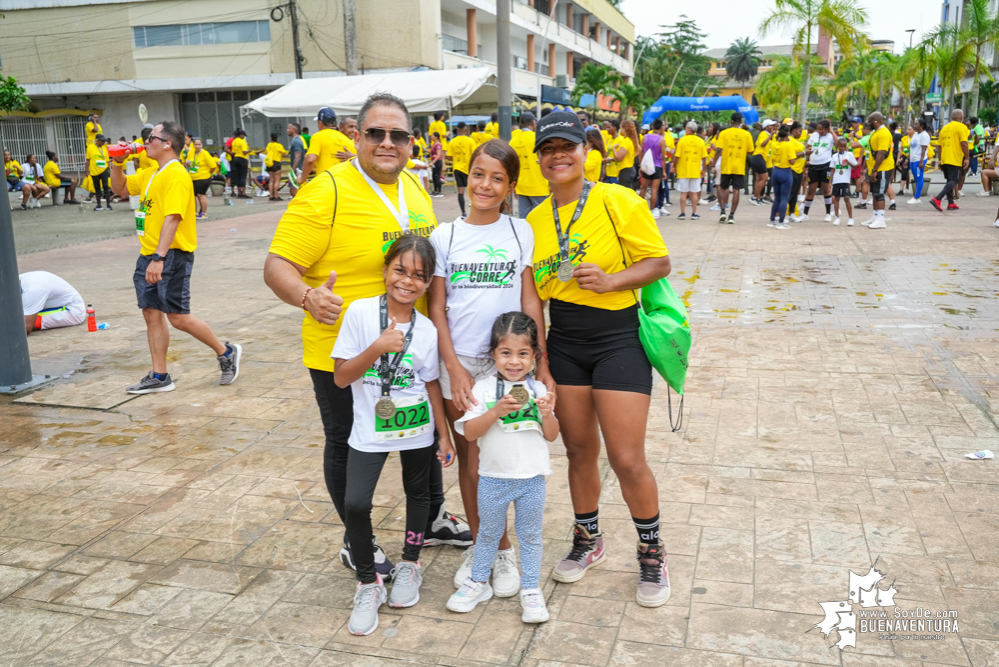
[528, 498]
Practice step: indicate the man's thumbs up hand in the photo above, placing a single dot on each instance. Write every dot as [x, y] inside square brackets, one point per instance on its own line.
[325, 306]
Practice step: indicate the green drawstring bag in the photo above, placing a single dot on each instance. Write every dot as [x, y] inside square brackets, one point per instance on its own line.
[665, 332]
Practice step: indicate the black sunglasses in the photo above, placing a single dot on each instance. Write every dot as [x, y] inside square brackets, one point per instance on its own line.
[376, 135]
[153, 136]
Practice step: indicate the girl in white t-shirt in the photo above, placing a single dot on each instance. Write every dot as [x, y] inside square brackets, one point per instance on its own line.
[511, 418]
[483, 269]
[841, 164]
[387, 353]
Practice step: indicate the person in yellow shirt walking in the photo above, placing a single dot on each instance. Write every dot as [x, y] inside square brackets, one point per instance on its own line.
[691, 154]
[954, 157]
[328, 147]
[881, 166]
[481, 136]
[98, 165]
[240, 166]
[200, 165]
[461, 147]
[275, 153]
[532, 188]
[167, 231]
[733, 144]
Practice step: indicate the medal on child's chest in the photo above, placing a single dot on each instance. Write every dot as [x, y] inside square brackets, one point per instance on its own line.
[518, 391]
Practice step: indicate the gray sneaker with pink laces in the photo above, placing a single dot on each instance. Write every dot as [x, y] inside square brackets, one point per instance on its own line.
[653, 575]
[587, 551]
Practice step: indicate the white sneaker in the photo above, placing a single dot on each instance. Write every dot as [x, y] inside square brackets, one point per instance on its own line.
[663, 212]
[468, 596]
[865, 223]
[829, 217]
[532, 601]
[983, 193]
[772, 223]
[465, 569]
[996, 223]
[506, 576]
[667, 204]
[716, 207]
[960, 193]
[849, 223]
[782, 225]
[835, 220]
[877, 224]
[914, 200]
[802, 218]
[655, 213]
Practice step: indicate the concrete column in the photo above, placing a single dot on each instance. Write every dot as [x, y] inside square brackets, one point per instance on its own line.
[608, 39]
[568, 65]
[586, 25]
[596, 32]
[617, 45]
[568, 14]
[473, 34]
[551, 60]
[530, 52]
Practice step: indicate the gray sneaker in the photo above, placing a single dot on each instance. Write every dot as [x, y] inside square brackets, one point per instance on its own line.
[230, 364]
[653, 575]
[406, 589]
[367, 600]
[587, 551]
[150, 385]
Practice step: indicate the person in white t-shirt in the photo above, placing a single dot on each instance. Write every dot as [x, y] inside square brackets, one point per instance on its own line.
[387, 353]
[512, 420]
[821, 143]
[919, 151]
[49, 302]
[484, 264]
[841, 163]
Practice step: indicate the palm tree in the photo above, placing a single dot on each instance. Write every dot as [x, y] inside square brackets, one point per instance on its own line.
[951, 55]
[629, 96]
[840, 19]
[981, 29]
[779, 85]
[594, 80]
[742, 61]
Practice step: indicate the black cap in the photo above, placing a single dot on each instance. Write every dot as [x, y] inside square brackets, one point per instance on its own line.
[100, 137]
[563, 124]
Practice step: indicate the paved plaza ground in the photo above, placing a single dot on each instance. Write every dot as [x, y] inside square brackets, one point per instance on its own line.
[838, 377]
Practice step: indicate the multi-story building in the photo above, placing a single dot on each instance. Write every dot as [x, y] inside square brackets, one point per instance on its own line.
[198, 61]
[954, 12]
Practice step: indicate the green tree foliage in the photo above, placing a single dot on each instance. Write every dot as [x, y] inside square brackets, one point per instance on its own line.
[629, 96]
[12, 96]
[594, 80]
[673, 56]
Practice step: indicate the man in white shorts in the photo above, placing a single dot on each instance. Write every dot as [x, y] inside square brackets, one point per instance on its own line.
[691, 154]
[49, 302]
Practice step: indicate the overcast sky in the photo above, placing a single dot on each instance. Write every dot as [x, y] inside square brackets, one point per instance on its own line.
[724, 21]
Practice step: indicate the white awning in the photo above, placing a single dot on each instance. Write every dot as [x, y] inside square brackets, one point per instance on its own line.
[423, 92]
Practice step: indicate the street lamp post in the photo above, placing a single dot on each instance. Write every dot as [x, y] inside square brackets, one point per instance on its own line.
[908, 107]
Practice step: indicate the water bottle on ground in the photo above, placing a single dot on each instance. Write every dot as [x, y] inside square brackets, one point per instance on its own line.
[91, 318]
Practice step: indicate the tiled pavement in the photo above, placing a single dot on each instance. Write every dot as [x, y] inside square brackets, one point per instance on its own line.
[838, 377]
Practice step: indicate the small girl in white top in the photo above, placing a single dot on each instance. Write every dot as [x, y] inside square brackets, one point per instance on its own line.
[484, 267]
[511, 418]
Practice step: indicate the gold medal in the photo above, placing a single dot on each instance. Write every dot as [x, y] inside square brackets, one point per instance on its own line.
[565, 271]
[385, 408]
[519, 392]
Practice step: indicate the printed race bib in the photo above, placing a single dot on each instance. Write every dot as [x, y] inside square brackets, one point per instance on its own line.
[411, 418]
[525, 419]
[140, 223]
[193, 169]
[101, 163]
[29, 178]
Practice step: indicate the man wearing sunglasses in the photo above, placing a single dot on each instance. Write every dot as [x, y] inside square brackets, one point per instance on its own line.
[328, 146]
[167, 230]
[329, 251]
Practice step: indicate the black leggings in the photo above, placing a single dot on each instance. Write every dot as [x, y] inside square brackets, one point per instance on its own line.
[438, 166]
[336, 407]
[363, 471]
[240, 169]
[102, 185]
[792, 200]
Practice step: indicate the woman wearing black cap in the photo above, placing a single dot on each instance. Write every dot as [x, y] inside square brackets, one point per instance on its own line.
[240, 162]
[591, 254]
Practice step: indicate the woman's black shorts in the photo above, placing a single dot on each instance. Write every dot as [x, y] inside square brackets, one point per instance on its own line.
[593, 347]
[201, 186]
[759, 164]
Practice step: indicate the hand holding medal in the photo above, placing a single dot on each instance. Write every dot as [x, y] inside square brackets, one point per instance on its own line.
[592, 278]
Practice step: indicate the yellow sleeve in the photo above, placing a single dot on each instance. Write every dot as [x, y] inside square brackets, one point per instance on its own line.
[304, 232]
[636, 226]
[133, 183]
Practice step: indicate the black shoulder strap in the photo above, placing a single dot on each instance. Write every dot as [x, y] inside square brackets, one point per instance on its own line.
[336, 204]
[516, 236]
[624, 257]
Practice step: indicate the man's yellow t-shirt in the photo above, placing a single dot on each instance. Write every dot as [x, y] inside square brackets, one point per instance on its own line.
[325, 144]
[735, 143]
[346, 228]
[481, 137]
[93, 129]
[690, 150]
[52, 174]
[530, 183]
[99, 158]
[593, 240]
[240, 148]
[462, 148]
[493, 129]
[952, 135]
[202, 164]
[881, 140]
[170, 193]
[798, 147]
[275, 153]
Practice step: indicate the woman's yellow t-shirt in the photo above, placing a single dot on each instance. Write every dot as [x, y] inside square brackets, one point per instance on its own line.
[52, 173]
[240, 148]
[99, 158]
[591, 168]
[782, 152]
[275, 153]
[202, 163]
[799, 163]
[594, 240]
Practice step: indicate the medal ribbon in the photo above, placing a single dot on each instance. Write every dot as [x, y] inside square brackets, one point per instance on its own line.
[563, 240]
[387, 369]
[402, 213]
